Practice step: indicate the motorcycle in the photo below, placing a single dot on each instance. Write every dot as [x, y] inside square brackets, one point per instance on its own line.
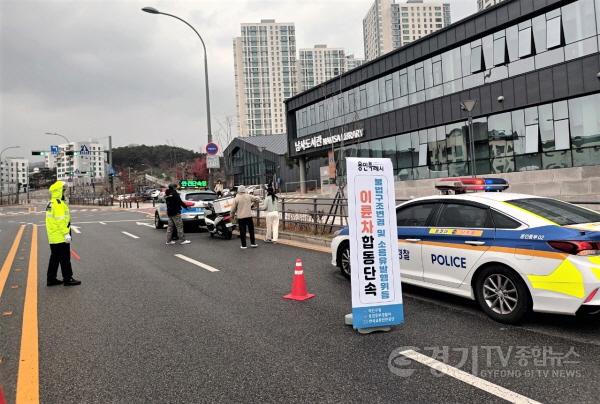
[218, 224]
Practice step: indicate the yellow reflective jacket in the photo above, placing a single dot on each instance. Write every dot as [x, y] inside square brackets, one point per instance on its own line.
[58, 218]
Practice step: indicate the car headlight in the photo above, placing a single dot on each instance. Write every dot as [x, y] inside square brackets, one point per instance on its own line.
[337, 233]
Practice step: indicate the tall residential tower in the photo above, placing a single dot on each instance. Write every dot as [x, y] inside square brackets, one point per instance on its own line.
[265, 75]
[319, 64]
[389, 25]
[481, 4]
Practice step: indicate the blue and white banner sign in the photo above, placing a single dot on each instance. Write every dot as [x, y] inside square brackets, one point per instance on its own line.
[376, 288]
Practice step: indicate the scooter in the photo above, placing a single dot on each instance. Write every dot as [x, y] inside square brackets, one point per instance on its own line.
[219, 225]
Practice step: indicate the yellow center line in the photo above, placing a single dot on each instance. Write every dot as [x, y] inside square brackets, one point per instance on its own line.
[10, 258]
[28, 379]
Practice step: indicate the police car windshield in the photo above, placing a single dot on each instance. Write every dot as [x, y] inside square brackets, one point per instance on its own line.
[559, 212]
[200, 196]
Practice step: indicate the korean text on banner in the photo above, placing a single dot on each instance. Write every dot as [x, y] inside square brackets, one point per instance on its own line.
[376, 288]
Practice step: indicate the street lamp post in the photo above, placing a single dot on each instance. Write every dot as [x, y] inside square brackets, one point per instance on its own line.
[468, 105]
[152, 10]
[2, 170]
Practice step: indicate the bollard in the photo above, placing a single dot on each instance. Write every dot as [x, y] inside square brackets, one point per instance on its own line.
[282, 213]
[137, 203]
[315, 211]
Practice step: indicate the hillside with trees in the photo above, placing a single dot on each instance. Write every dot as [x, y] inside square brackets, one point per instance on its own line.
[161, 161]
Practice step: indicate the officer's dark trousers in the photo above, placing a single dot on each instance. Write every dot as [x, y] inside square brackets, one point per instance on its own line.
[60, 254]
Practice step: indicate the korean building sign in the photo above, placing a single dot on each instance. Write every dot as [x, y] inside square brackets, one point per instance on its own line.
[376, 289]
[319, 141]
[183, 184]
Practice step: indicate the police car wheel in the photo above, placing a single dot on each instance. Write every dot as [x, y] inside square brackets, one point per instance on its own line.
[502, 294]
[343, 259]
[157, 223]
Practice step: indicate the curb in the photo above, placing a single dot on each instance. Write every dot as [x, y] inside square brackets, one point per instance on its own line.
[316, 241]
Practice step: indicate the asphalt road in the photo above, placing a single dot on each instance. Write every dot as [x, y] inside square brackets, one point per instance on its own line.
[149, 327]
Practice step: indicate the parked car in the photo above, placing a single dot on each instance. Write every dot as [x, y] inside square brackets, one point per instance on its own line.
[192, 215]
[512, 253]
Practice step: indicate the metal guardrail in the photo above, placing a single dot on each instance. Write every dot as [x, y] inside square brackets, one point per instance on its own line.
[320, 215]
[91, 200]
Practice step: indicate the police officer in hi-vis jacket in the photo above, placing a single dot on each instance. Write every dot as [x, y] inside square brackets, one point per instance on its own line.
[58, 228]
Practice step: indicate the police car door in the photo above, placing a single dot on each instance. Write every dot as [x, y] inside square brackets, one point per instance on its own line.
[462, 233]
[412, 220]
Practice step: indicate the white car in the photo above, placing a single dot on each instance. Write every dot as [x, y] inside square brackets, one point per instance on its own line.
[194, 213]
[512, 253]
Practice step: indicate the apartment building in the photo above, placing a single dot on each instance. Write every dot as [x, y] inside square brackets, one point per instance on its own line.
[87, 162]
[481, 4]
[389, 25]
[319, 64]
[265, 75]
[13, 171]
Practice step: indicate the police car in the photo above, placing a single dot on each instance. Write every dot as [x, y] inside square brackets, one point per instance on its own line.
[512, 253]
[193, 214]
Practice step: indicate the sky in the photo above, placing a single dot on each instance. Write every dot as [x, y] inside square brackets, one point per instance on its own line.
[88, 69]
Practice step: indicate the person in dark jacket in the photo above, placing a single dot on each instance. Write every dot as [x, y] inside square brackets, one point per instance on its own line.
[174, 205]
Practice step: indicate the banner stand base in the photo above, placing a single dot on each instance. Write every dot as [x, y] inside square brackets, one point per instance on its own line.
[348, 321]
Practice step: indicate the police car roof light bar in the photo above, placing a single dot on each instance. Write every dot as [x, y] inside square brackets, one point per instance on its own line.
[466, 184]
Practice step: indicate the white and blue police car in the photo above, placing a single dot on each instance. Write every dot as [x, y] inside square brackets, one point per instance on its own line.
[193, 215]
[512, 253]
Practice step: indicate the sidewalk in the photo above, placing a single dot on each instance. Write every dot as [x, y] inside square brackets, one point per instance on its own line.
[303, 240]
[311, 242]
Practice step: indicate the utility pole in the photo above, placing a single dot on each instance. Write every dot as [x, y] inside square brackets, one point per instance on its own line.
[18, 184]
[110, 164]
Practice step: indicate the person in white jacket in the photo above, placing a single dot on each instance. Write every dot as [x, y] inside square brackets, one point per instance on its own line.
[271, 206]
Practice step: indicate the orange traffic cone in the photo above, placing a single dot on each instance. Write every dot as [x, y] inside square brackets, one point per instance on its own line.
[299, 291]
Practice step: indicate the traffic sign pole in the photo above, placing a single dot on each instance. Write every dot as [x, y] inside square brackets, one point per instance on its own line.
[211, 153]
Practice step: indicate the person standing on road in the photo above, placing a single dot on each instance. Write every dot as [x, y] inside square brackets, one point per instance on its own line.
[58, 229]
[219, 189]
[174, 205]
[270, 205]
[242, 210]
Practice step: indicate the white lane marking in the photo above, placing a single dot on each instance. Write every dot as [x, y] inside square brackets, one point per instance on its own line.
[102, 223]
[144, 224]
[197, 263]
[129, 234]
[76, 229]
[468, 378]
[109, 221]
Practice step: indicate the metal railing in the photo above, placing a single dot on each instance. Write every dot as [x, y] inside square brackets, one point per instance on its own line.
[319, 215]
[312, 214]
[311, 185]
[91, 200]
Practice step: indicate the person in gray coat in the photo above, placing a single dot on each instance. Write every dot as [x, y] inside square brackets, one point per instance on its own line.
[242, 210]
